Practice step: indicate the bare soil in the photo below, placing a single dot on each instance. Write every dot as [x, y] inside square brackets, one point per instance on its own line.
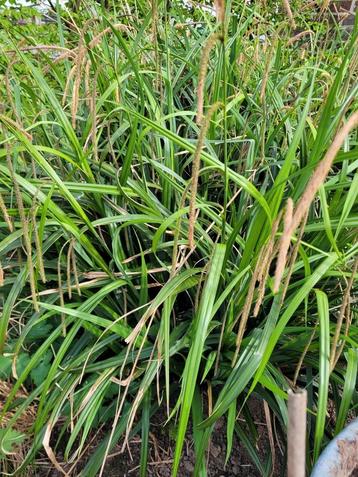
[161, 450]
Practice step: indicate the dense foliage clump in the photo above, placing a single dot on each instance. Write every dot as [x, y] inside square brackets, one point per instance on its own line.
[178, 193]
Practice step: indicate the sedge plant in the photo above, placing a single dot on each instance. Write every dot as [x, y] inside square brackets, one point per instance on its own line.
[178, 195]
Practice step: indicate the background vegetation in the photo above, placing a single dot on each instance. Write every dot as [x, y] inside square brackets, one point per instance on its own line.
[156, 166]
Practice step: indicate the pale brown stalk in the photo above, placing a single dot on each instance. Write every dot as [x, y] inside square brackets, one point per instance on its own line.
[94, 117]
[349, 317]
[8, 89]
[267, 71]
[14, 124]
[97, 39]
[177, 233]
[77, 82]
[25, 228]
[181, 26]
[73, 54]
[6, 214]
[47, 446]
[64, 56]
[74, 269]
[247, 307]
[87, 69]
[210, 398]
[99, 275]
[325, 5]
[284, 245]
[220, 10]
[270, 436]
[43, 47]
[9, 223]
[68, 84]
[256, 56]
[195, 171]
[293, 257]
[204, 60]
[263, 265]
[117, 95]
[309, 5]
[60, 292]
[317, 179]
[297, 37]
[39, 256]
[154, 5]
[319, 175]
[302, 357]
[342, 314]
[68, 270]
[287, 8]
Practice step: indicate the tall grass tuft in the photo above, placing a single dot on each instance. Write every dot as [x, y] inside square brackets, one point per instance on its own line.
[184, 189]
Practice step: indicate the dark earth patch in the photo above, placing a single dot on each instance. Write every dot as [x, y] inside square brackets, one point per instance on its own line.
[161, 450]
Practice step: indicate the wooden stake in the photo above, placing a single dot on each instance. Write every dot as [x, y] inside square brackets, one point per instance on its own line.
[296, 433]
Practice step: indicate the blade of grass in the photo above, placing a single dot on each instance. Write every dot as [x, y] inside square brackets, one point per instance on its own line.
[324, 350]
